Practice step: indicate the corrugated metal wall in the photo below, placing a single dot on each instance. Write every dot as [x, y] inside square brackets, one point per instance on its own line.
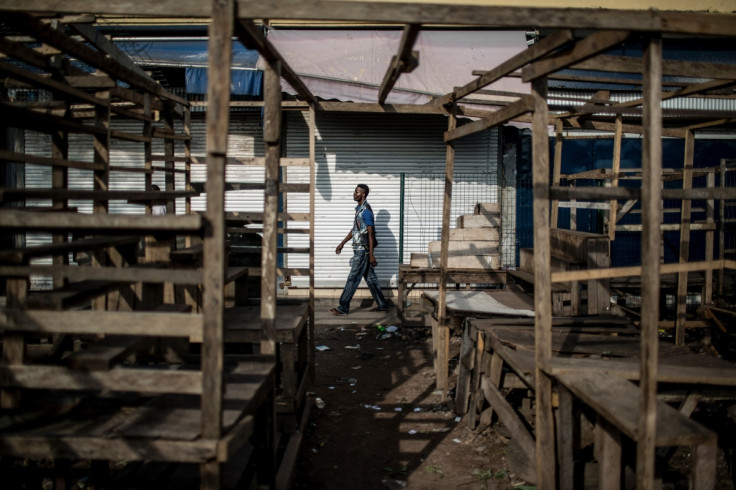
[375, 149]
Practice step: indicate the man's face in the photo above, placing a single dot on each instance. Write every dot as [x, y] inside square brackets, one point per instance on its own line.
[358, 194]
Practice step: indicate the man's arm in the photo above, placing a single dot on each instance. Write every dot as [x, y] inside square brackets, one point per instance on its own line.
[370, 246]
[342, 243]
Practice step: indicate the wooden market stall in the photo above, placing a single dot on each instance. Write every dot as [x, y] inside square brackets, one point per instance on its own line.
[205, 413]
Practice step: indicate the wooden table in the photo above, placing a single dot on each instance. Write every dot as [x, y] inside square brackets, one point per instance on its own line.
[464, 304]
[412, 276]
[243, 325]
[595, 369]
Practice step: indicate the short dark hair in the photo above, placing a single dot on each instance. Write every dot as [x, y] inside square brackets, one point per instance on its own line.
[365, 188]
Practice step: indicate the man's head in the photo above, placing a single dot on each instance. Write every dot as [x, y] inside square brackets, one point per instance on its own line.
[361, 192]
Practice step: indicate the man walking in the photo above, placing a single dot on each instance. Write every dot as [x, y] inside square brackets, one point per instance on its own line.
[363, 262]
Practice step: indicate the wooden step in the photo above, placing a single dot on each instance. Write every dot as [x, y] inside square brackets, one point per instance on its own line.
[478, 221]
[487, 208]
[475, 234]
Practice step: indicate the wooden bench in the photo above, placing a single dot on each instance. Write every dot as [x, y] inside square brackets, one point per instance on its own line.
[243, 325]
[616, 402]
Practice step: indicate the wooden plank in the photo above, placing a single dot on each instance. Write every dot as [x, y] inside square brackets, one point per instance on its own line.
[512, 420]
[101, 322]
[612, 272]
[545, 441]
[609, 455]
[252, 37]
[556, 171]
[17, 194]
[218, 120]
[404, 62]
[113, 223]
[690, 69]
[58, 88]
[588, 47]
[709, 238]
[272, 138]
[403, 13]
[615, 169]
[616, 399]
[521, 106]
[22, 255]
[86, 54]
[684, 254]
[536, 51]
[96, 377]
[101, 42]
[441, 335]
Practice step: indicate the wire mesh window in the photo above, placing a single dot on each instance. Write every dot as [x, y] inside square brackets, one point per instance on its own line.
[423, 198]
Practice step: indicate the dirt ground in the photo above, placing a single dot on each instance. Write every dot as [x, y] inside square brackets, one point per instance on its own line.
[377, 421]
[382, 424]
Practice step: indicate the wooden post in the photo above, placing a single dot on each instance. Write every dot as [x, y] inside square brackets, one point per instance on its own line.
[60, 180]
[651, 209]
[213, 297]
[615, 170]
[545, 431]
[685, 218]
[101, 178]
[442, 340]
[272, 140]
[709, 237]
[556, 171]
[312, 190]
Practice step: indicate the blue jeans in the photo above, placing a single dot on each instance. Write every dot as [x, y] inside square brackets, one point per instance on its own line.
[360, 268]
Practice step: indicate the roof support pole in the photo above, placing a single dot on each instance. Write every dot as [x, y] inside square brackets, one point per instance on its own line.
[441, 333]
[545, 431]
[651, 209]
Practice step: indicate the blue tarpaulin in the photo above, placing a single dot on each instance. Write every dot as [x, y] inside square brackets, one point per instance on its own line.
[192, 55]
[242, 82]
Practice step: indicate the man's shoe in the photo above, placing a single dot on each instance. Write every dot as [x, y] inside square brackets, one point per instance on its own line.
[337, 312]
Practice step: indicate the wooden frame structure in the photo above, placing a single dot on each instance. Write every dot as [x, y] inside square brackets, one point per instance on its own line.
[235, 17]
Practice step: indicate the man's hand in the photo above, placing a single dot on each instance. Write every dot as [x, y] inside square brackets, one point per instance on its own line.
[338, 249]
[373, 260]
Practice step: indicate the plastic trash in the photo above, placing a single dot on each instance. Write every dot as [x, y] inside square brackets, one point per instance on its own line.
[353, 347]
[392, 328]
[322, 348]
[319, 402]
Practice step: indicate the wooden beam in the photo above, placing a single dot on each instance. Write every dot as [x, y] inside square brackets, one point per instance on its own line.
[409, 13]
[112, 223]
[536, 51]
[691, 69]
[101, 42]
[588, 47]
[252, 37]
[521, 106]
[404, 62]
[86, 54]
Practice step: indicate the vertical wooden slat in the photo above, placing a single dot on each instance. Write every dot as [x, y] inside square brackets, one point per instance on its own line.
[101, 178]
[60, 180]
[272, 140]
[545, 444]
[609, 455]
[441, 340]
[312, 190]
[566, 431]
[556, 172]
[14, 344]
[709, 237]
[218, 119]
[188, 166]
[615, 170]
[722, 232]
[685, 218]
[651, 209]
